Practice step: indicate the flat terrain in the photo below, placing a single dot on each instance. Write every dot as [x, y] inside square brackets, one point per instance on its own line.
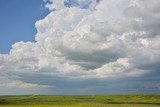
[81, 101]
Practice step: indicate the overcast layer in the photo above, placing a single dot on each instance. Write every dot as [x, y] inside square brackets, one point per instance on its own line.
[88, 47]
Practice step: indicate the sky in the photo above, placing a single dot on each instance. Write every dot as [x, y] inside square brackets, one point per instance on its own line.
[68, 47]
[17, 21]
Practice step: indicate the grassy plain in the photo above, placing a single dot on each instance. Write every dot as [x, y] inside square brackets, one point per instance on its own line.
[139, 100]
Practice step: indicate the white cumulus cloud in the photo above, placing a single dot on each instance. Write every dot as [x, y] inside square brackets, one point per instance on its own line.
[114, 39]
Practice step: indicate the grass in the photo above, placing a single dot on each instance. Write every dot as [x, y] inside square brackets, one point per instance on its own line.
[96, 105]
[138, 100]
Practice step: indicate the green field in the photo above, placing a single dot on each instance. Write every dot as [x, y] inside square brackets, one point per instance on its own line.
[81, 101]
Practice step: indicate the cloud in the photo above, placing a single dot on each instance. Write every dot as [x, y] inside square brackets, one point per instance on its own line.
[84, 44]
[54, 4]
[20, 84]
[60, 4]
